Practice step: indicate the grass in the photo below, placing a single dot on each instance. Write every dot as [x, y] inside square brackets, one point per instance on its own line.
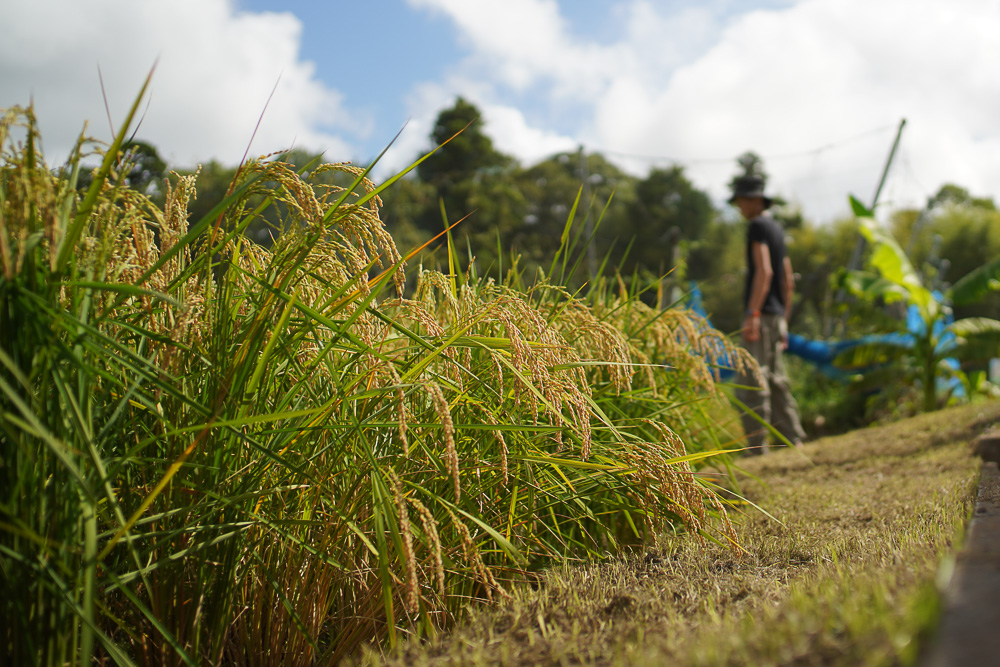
[845, 573]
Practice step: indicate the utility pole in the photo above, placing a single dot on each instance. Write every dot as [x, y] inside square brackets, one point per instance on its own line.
[669, 288]
[859, 248]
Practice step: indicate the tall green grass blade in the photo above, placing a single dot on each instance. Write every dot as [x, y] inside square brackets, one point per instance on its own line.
[72, 235]
[153, 621]
[565, 250]
[269, 348]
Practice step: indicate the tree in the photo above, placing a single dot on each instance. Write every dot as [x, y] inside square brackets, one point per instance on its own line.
[952, 236]
[454, 169]
[146, 168]
[817, 253]
[717, 261]
[405, 205]
[950, 195]
[665, 200]
[550, 189]
[472, 180]
[465, 154]
[750, 164]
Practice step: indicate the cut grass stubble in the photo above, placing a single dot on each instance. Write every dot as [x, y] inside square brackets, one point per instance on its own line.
[849, 576]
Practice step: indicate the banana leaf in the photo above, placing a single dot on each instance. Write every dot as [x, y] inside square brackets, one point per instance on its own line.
[976, 284]
[868, 355]
[891, 262]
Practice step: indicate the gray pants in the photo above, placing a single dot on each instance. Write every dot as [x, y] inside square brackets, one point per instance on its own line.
[773, 402]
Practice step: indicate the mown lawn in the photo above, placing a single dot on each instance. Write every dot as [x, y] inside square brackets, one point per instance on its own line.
[846, 572]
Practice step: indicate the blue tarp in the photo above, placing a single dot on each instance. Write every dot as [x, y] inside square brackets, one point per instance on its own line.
[821, 353]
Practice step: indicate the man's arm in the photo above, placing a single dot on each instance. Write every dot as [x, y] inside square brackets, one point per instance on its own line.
[789, 288]
[760, 254]
[789, 293]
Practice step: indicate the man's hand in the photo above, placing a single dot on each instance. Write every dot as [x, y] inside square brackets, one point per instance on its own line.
[751, 328]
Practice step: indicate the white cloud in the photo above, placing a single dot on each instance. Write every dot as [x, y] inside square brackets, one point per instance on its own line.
[530, 43]
[701, 82]
[524, 51]
[689, 80]
[515, 136]
[216, 68]
[488, 30]
[784, 81]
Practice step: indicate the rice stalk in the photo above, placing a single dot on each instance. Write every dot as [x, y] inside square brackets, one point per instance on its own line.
[211, 449]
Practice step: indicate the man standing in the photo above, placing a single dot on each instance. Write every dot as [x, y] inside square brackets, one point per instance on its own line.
[767, 305]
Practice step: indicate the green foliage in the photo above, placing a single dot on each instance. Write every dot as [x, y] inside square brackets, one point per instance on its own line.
[818, 253]
[951, 195]
[827, 405]
[516, 212]
[893, 279]
[469, 177]
[146, 168]
[950, 239]
[977, 284]
[604, 191]
[666, 210]
[718, 263]
[466, 151]
[212, 451]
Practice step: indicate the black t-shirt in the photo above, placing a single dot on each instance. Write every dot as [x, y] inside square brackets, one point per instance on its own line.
[763, 229]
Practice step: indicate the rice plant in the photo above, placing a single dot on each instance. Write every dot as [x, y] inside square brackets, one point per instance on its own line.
[218, 453]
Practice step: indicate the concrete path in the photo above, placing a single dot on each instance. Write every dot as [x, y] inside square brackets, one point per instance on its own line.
[969, 634]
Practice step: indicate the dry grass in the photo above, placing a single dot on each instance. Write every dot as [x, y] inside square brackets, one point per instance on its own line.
[845, 575]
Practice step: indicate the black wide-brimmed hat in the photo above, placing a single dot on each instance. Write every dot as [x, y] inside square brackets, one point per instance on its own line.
[750, 186]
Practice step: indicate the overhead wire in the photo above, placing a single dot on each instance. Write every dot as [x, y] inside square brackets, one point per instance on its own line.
[779, 156]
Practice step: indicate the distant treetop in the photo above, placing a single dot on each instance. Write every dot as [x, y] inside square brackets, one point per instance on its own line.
[750, 164]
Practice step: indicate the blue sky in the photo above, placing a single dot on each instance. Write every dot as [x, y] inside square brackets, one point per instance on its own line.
[815, 86]
[344, 40]
[400, 44]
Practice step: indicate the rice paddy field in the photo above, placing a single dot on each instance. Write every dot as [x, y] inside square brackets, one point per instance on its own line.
[324, 451]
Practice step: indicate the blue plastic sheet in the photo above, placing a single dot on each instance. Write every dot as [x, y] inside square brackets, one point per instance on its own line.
[821, 353]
